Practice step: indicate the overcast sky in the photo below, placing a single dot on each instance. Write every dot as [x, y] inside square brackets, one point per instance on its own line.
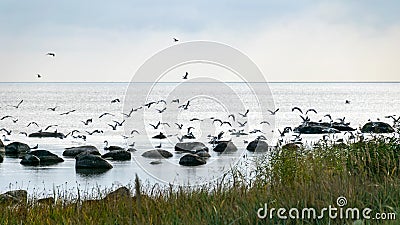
[289, 40]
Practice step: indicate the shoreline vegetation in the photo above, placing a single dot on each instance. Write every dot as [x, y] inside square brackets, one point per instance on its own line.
[365, 172]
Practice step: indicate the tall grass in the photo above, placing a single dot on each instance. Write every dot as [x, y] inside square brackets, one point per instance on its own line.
[365, 172]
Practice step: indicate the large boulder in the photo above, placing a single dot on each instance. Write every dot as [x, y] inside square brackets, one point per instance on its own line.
[203, 154]
[47, 135]
[74, 151]
[17, 148]
[1, 159]
[118, 155]
[377, 127]
[313, 128]
[45, 158]
[13, 197]
[89, 161]
[191, 160]
[257, 146]
[157, 154]
[30, 160]
[119, 194]
[227, 146]
[2, 149]
[190, 147]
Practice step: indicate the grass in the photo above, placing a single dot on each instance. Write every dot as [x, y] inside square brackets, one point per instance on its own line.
[365, 172]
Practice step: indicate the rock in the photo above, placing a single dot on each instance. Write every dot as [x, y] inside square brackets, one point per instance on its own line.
[188, 136]
[17, 148]
[30, 160]
[2, 149]
[157, 154]
[257, 146]
[314, 128]
[1, 159]
[203, 154]
[74, 151]
[131, 150]
[119, 194]
[377, 127]
[190, 147]
[17, 196]
[46, 201]
[342, 126]
[227, 146]
[89, 161]
[291, 147]
[118, 155]
[46, 157]
[47, 135]
[160, 136]
[191, 160]
[113, 148]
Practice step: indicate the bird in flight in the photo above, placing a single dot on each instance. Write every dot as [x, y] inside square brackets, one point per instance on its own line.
[175, 40]
[5, 117]
[18, 105]
[66, 113]
[52, 109]
[298, 109]
[273, 112]
[245, 114]
[87, 121]
[33, 123]
[242, 124]
[105, 114]
[38, 75]
[311, 110]
[51, 54]
[115, 100]
[50, 126]
[179, 126]
[185, 77]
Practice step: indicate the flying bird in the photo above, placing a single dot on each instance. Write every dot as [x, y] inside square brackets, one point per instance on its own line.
[119, 123]
[105, 114]
[149, 104]
[185, 106]
[87, 121]
[245, 114]
[162, 110]
[66, 113]
[155, 126]
[115, 100]
[134, 131]
[52, 109]
[7, 131]
[179, 126]
[242, 124]
[175, 100]
[298, 109]
[231, 115]
[5, 117]
[51, 54]
[273, 112]
[18, 105]
[175, 39]
[189, 128]
[32, 123]
[185, 77]
[38, 75]
[50, 126]
[262, 122]
[311, 110]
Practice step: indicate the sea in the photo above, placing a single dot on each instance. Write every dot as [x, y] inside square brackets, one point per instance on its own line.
[260, 110]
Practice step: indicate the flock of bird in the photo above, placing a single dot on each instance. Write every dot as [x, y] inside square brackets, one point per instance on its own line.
[235, 124]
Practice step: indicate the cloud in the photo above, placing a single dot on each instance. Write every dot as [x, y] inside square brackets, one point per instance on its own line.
[337, 41]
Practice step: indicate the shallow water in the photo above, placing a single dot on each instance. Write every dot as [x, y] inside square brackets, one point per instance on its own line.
[90, 100]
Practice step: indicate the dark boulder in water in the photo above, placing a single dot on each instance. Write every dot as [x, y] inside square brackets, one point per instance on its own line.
[30, 160]
[17, 148]
[40, 157]
[377, 127]
[47, 135]
[203, 154]
[315, 128]
[89, 161]
[191, 160]
[190, 147]
[157, 154]
[1, 159]
[14, 197]
[74, 151]
[225, 146]
[2, 150]
[257, 146]
[118, 155]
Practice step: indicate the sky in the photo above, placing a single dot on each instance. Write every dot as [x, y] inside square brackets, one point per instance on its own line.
[289, 40]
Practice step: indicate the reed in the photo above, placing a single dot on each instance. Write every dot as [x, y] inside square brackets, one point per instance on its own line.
[365, 172]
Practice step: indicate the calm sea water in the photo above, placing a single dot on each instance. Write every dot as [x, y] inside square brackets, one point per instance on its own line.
[90, 100]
